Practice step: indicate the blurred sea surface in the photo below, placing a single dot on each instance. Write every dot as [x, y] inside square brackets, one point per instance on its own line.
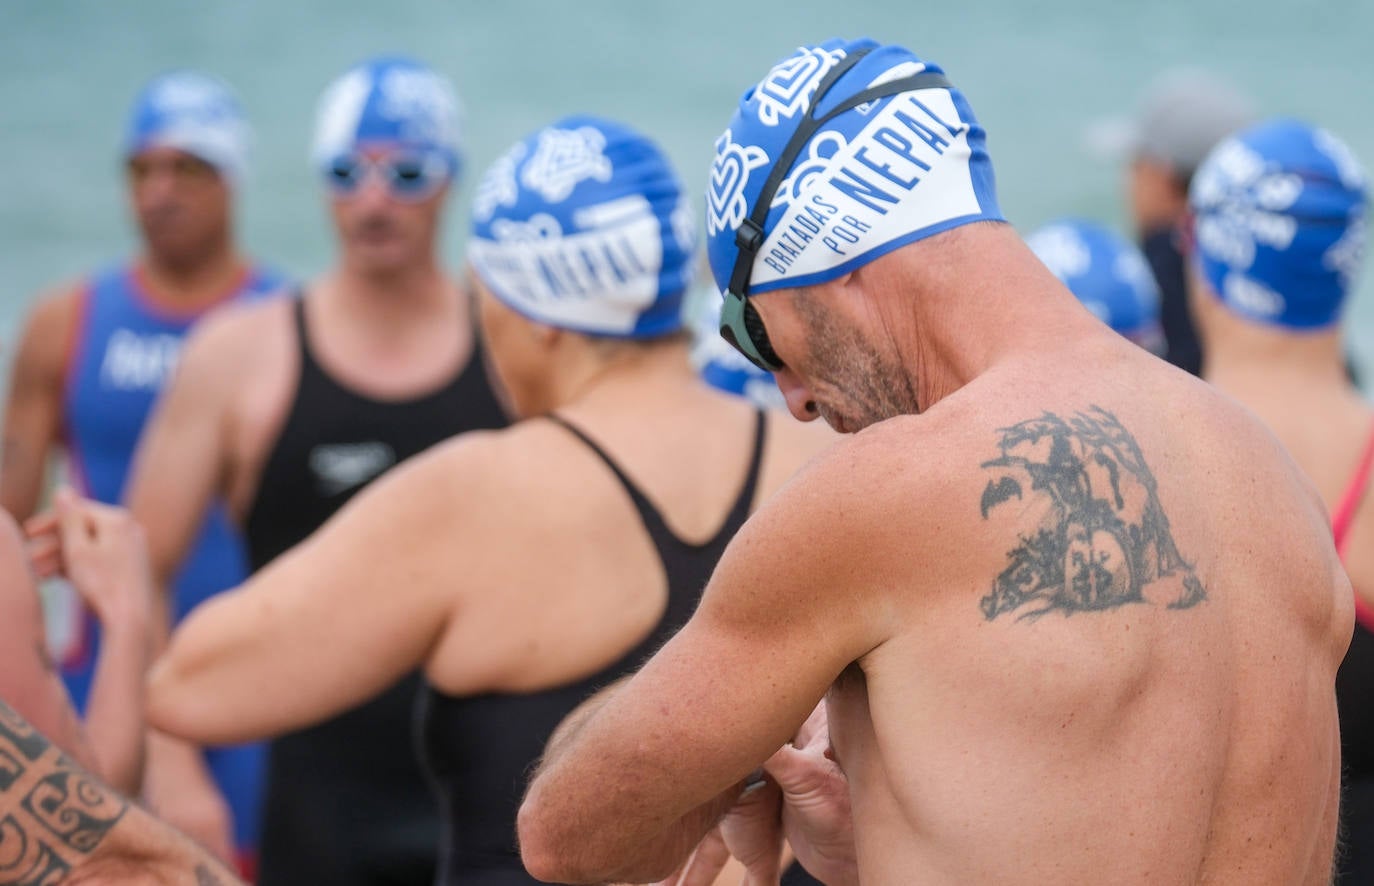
[1042, 77]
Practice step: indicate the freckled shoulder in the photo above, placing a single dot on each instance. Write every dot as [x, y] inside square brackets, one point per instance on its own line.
[880, 488]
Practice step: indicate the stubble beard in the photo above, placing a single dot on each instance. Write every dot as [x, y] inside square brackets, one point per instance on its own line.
[855, 384]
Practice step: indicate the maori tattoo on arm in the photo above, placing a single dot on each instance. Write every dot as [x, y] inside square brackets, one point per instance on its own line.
[1103, 537]
[207, 877]
[52, 813]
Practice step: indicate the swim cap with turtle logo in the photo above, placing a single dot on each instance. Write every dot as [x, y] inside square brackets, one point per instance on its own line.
[389, 100]
[191, 112]
[1280, 223]
[583, 225]
[885, 173]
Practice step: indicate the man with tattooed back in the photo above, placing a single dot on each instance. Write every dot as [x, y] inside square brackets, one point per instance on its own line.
[1074, 615]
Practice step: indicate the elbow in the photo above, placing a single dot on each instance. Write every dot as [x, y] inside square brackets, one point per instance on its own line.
[549, 846]
[563, 845]
[172, 705]
[538, 842]
[164, 711]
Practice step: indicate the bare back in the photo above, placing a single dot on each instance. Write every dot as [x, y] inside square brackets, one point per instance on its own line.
[596, 585]
[1117, 657]
[1327, 428]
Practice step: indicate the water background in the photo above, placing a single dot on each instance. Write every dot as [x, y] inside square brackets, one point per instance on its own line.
[1037, 73]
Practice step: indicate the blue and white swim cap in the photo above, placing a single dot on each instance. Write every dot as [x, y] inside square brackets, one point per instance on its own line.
[1280, 223]
[723, 367]
[392, 101]
[1108, 275]
[191, 112]
[583, 225]
[884, 174]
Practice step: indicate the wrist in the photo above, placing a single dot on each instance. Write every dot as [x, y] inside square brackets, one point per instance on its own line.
[123, 616]
[171, 752]
[127, 601]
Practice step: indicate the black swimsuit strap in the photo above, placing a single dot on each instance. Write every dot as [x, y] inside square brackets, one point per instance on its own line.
[648, 514]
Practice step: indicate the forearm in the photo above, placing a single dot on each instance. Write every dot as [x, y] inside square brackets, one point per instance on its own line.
[142, 849]
[62, 825]
[620, 855]
[18, 490]
[23, 468]
[115, 723]
[171, 761]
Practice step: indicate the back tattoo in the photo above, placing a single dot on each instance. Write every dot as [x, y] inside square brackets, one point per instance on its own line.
[1104, 537]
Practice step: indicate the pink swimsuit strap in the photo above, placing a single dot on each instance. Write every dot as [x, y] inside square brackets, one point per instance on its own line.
[1344, 515]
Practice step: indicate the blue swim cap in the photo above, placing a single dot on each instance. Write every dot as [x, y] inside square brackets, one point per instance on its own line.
[1108, 275]
[388, 100]
[1280, 223]
[192, 112]
[723, 367]
[583, 225]
[886, 173]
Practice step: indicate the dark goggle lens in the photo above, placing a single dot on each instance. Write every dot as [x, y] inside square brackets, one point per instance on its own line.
[742, 328]
[404, 176]
[758, 336]
[344, 174]
[410, 175]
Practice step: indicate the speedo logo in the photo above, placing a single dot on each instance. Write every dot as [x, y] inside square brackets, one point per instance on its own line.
[342, 466]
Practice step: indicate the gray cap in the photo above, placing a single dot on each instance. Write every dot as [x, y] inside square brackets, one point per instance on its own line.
[1184, 113]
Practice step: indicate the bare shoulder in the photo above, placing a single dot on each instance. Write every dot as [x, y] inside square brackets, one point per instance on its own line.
[791, 444]
[498, 484]
[59, 303]
[239, 352]
[872, 491]
[1220, 433]
[535, 466]
[237, 330]
[51, 323]
[909, 455]
[465, 468]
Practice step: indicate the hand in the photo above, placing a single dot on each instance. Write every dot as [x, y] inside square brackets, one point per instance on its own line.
[805, 795]
[704, 865]
[179, 789]
[750, 833]
[101, 551]
[816, 817]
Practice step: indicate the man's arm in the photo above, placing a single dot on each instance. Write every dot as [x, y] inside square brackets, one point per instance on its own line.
[180, 464]
[59, 824]
[33, 410]
[100, 550]
[178, 468]
[28, 678]
[632, 791]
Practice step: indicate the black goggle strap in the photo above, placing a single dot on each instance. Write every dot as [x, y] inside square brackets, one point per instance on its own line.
[749, 237]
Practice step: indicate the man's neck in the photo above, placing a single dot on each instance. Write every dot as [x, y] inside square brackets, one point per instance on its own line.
[196, 283]
[976, 298]
[394, 299]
